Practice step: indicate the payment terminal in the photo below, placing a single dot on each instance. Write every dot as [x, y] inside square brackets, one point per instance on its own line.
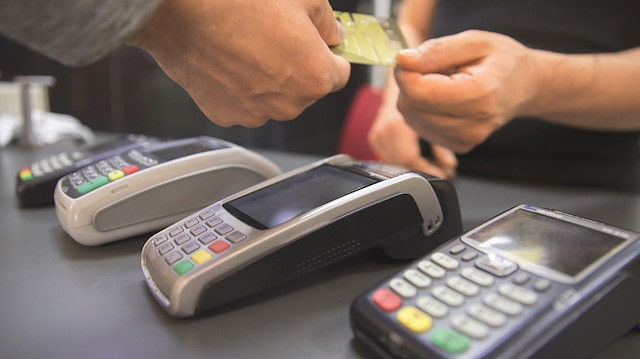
[293, 224]
[35, 183]
[141, 190]
[530, 282]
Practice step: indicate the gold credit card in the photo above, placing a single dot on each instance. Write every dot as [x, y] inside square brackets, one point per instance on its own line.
[369, 39]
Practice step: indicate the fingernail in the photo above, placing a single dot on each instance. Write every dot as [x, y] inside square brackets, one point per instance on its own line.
[451, 158]
[341, 31]
[409, 52]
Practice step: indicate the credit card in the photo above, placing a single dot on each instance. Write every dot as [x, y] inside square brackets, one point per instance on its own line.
[369, 39]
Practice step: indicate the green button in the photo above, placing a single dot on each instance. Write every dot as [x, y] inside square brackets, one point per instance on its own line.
[93, 184]
[450, 340]
[183, 267]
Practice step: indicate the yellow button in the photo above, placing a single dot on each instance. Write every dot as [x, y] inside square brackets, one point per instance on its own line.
[201, 256]
[26, 174]
[414, 319]
[114, 175]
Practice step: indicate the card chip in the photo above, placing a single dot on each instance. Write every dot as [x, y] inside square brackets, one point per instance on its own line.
[369, 39]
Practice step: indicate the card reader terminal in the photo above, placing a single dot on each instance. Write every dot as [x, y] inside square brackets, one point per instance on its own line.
[141, 190]
[36, 183]
[293, 224]
[531, 282]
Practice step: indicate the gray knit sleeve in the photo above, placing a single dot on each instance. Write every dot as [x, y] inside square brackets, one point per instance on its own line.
[73, 32]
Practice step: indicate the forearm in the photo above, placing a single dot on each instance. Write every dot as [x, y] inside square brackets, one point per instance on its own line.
[596, 91]
[73, 32]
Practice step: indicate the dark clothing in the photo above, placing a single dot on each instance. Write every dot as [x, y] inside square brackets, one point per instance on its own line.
[531, 149]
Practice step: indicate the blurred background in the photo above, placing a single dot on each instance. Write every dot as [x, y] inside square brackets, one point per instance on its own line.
[126, 92]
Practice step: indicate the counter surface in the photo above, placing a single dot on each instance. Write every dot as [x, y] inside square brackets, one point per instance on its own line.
[59, 299]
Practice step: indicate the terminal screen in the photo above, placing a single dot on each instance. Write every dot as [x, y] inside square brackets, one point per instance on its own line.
[545, 241]
[174, 151]
[280, 202]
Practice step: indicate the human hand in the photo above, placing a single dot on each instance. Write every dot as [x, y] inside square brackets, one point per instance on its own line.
[245, 64]
[395, 142]
[457, 90]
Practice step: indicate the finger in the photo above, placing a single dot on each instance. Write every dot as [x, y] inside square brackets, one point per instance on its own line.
[423, 165]
[444, 156]
[441, 130]
[328, 27]
[440, 55]
[341, 72]
[332, 32]
[435, 91]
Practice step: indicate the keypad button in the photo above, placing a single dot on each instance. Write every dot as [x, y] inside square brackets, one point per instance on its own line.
[219, 246]
[96, 182]
[190, 247]
[190, 222]
[469, 327]
[201, 256]
[431, 269]
[65, 159]
[236, 237]
[469, 256]
[432, 306]
[183, 267]
[198, 230]
[206, 214]
[444, 261]
[403, 288]
[207, 238]
[450, 340]
[26, 174]
[417, 278]
[414, 319]
[542, 285]
[521, 278]
[129, 169]
[463, 286]
[181, 239]
[223, 229]
[448, 296]
[172, 257]
[478, 277]
[503, 304]
[457, 249]
[114, 175]
[165, 248]
[386, 300]
[159, 240]
[175, 231]
[212, 222]
[487, 315]
[519, 294]
[497, 265]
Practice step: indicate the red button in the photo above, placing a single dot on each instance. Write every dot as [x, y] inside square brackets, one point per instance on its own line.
[129, 169]
[219, 246]
[386, 300]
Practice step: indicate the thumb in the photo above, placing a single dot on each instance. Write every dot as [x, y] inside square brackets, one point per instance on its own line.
[441, 55]
[329, 28]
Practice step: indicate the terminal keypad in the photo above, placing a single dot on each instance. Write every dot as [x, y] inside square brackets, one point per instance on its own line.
[451, 300]
[195, 241]
[46, 166]
[101, 173]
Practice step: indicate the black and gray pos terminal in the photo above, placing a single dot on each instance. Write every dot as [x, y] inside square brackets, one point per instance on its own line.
[293, 224]
[529, 283]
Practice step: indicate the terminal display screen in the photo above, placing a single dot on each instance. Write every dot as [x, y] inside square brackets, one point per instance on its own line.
[545, 241]
[172, 152]
[282, 201]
